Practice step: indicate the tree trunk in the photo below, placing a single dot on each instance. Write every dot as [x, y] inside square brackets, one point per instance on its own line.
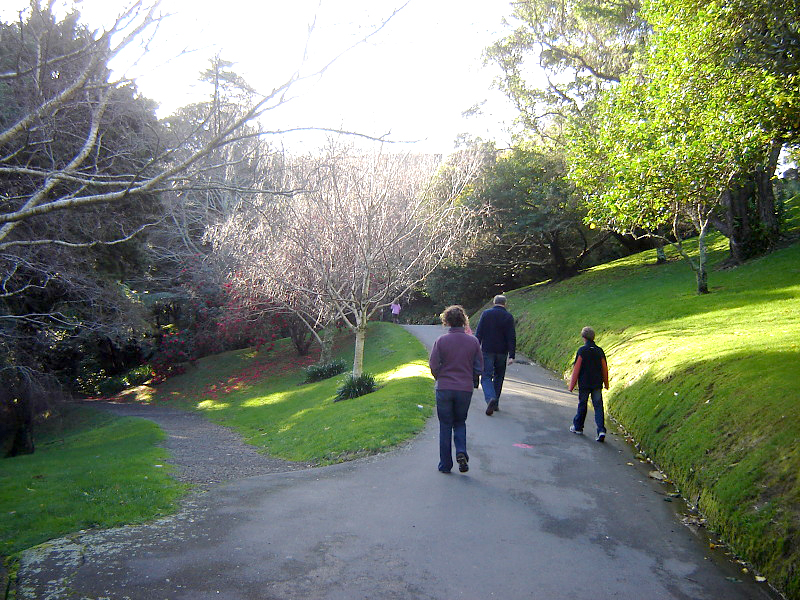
[358, 356]
[301, 338]
[632, 243]
[736, 223]
[767, 213]
[326, 346]
[561, 268]
[661, 256]
[702, 260]
[23, 440]
[20, 428]
[587, 250]
[750, 219]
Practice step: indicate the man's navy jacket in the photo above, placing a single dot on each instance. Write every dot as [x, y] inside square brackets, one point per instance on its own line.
[496, 331]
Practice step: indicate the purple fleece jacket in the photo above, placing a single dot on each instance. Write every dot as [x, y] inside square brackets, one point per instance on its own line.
[455, 358]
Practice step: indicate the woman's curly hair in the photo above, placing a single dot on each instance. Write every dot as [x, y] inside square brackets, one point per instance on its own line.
[454, 316]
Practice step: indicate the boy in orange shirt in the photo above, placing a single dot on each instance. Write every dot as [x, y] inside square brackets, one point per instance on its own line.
[590, 373]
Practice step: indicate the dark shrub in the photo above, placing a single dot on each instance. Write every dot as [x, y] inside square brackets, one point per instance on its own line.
[111, 386]
[138, 376]
[353, 387]
[320, 371]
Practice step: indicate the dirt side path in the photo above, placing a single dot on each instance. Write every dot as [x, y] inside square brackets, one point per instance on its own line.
[204, 453]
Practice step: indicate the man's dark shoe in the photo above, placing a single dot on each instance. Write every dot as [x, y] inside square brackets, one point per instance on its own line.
[461, 459]
[490, 408]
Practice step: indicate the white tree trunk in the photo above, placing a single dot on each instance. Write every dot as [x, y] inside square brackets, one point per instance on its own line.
[358, 356]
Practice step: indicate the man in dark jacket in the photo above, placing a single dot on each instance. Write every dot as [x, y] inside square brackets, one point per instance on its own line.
[498, 338]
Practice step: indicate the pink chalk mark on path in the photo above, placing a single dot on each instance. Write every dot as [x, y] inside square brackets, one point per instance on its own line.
[523, 446]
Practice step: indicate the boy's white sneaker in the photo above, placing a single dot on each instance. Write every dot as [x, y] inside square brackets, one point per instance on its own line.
[575, 431]
[601, 437]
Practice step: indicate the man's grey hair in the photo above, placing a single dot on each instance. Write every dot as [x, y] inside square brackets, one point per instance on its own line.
[500, 299]
[587, 333]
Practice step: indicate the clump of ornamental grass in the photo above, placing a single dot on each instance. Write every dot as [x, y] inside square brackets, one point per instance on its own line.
[353, 387]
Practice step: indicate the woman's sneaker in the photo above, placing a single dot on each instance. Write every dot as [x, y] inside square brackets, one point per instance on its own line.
[461, 459]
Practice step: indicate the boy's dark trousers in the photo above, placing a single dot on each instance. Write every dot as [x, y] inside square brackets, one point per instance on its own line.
[597, 403]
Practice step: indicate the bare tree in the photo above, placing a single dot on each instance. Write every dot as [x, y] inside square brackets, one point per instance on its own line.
[366, 230]
[84, 163]
[79, 180]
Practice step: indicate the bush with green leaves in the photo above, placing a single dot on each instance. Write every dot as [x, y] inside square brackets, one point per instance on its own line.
[353, 387]
[112, 386]
[320, 371]
[139, 375]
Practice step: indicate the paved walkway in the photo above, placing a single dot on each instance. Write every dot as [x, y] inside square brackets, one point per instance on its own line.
[542, 514]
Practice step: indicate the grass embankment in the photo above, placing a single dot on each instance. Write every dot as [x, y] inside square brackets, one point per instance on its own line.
[96, 470]
[263, 398]
[706, 384]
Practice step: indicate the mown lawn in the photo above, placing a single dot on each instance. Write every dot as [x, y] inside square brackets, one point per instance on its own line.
[90, 469]
[263, 398]
[707, 384]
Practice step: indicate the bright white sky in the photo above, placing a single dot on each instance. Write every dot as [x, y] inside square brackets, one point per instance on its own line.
[414, 78]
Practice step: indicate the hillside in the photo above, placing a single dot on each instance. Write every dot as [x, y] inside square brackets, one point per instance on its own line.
[705, 384]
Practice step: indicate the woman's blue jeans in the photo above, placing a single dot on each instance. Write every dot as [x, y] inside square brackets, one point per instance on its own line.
[452, 407]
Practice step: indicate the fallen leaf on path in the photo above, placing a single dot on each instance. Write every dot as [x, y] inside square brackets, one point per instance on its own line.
[657, 475]
[693, 520]
[523, 446]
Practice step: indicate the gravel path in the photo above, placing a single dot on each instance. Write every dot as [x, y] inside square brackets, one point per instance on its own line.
[205, 453]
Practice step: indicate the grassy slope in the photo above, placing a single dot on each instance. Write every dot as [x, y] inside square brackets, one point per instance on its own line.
[707, 384]
[265, 401]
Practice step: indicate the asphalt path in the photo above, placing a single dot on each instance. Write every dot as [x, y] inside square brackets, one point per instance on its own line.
[542, 514]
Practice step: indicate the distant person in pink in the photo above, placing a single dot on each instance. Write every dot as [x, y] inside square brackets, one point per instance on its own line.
[395, 311]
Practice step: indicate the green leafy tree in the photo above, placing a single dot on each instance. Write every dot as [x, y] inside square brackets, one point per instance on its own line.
[667, 146]
[531, 227]
[534, 213]
[562, 54]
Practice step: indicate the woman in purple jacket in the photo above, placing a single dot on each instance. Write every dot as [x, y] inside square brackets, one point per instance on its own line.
[456, 363]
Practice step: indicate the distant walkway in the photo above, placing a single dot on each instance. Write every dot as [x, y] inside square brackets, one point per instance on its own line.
[203, 452]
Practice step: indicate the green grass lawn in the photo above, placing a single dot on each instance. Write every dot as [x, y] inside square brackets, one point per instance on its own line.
[89, 470]
[707, 384]
[263, 398]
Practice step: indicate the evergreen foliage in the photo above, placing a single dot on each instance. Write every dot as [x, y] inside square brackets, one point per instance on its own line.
[353, 387]
[320, 371]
